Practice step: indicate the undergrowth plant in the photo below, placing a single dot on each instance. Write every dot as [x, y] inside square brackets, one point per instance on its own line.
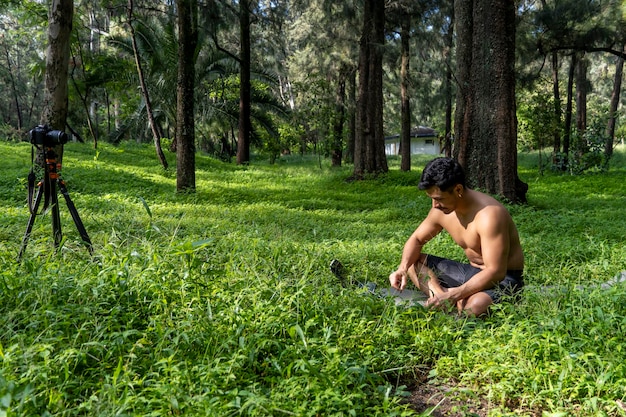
[222, 303]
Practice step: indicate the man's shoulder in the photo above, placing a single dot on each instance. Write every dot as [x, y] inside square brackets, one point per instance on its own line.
[491, 208]
[493, 216]
[485, 198]
[488, 204]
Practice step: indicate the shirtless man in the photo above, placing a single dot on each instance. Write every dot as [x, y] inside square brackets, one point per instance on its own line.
[481, 226]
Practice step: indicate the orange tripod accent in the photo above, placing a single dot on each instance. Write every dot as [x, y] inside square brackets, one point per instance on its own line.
[47, 188]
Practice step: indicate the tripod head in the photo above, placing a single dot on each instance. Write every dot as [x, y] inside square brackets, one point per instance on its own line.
[42, 135]
[49, 144]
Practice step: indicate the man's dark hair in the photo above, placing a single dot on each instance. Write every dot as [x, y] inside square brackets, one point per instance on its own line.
[444, 173]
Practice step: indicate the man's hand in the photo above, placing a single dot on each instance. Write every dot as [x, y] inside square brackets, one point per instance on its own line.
[444, 300]
[397, 279]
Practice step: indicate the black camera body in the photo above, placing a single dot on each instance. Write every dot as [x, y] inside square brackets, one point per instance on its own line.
[43, 135]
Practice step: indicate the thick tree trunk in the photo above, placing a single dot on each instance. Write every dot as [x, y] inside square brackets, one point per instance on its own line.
[369, 148]
[486, 126]
[405, 131]
[185, 115]
[465, 90]
[57, 63]
[245, 126]
[144, 90]
[615, 99]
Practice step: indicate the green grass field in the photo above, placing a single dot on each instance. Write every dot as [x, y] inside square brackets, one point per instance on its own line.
[221, 303]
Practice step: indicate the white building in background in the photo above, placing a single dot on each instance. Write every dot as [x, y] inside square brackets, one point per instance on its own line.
[424, 140]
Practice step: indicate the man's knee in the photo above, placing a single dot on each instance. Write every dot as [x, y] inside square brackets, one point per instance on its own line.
[477, 304]
[420, 268]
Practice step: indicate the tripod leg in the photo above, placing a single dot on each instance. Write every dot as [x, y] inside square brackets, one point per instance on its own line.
[77, 221]
[31, 221]
[57, 234]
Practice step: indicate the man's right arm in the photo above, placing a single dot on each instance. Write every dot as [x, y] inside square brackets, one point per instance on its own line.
[428, 229]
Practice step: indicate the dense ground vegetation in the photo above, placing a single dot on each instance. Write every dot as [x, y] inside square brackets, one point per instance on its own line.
[222, 303]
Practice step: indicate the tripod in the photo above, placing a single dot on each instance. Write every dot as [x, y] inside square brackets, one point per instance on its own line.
[48, 187]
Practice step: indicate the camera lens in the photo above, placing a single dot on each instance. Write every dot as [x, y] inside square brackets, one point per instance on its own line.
[56, 137]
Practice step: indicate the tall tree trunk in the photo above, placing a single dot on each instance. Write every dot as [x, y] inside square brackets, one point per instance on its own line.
[449, 38]
[558, 112]
[349, 155]
[144, 90]
[615, 99]
[581, 147]
[567, 134]
[107, 100]
[405, 116]
[369, 147]
[485, 120]
[245, 125]
[465, 90]
[57, 63]
[185, 115]
[581, 96]
[339, 118]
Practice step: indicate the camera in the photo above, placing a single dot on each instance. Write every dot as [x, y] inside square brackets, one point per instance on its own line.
[43, 135]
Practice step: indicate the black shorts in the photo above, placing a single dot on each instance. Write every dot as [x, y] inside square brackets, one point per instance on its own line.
[454, 274]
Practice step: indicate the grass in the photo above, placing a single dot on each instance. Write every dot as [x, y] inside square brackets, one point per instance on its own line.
[222, 303]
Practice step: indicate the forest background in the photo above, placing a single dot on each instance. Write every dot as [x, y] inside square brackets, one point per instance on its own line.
[293, 67]
[252, 325]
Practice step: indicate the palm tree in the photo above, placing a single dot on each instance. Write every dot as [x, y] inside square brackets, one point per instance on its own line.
[217, 89]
